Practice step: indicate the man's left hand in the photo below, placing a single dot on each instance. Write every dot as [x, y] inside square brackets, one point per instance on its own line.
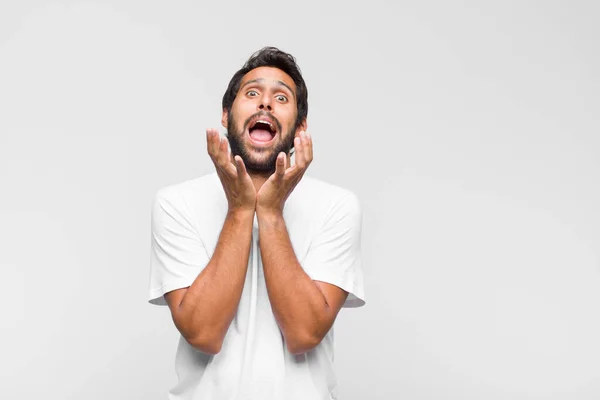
[272, 195]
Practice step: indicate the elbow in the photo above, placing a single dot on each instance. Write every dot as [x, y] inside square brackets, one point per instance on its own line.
[208, 345]
[302, 344]
[205, 340]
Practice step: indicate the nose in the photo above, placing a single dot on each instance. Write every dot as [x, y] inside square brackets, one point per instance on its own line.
[265, 103]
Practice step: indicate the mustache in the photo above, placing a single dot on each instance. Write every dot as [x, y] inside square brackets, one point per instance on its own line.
[263, 114]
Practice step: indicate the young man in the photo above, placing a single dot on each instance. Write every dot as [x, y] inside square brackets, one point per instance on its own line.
[255, 260]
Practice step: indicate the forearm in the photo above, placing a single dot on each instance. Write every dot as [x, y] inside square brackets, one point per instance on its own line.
[210, 303]
[299, 306]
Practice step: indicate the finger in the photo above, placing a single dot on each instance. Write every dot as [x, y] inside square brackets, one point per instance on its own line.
[300, 160]
[308, 148]
[280, 165]
[223, 154]
[212, 144]
[224, 158]
[241, 167]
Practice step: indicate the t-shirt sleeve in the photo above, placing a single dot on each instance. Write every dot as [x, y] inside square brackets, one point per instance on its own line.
[177, 253]
[334, 255]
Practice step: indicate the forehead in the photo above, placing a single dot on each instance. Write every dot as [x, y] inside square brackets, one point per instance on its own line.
[269, 76]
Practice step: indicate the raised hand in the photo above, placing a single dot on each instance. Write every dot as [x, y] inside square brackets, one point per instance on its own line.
[237, 184]
[274, 192]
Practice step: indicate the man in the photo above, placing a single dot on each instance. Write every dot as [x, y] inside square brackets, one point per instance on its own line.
[255, 260]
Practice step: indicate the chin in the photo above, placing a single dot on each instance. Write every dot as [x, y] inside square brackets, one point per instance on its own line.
[259, 156]
[262, 164]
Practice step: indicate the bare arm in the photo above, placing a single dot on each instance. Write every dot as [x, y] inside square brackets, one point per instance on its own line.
[203, 311]
[305, 309]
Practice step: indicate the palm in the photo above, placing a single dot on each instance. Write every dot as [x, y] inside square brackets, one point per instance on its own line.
[237, 184]
[272, 195]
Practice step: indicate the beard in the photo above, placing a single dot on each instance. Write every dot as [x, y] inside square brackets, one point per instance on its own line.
[266, 163]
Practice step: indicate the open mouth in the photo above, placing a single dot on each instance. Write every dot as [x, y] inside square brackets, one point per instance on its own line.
[262, 130]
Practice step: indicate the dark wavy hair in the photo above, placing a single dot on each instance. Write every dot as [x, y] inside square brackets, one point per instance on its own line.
[271, 57]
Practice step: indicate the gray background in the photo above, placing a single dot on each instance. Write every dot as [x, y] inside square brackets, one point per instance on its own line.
[469, 130]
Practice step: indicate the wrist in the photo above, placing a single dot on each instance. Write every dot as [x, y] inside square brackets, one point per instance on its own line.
[241, 213]
[268, 212]
[269, 216]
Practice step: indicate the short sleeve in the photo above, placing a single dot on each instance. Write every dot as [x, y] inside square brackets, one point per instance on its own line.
[334, 255]
[177, 252]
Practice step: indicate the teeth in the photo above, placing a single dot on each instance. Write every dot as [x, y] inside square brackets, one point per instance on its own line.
[264, 122]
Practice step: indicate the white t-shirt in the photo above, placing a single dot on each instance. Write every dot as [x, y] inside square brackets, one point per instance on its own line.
[324, 225]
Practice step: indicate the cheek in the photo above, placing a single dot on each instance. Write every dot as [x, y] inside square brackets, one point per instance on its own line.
[286, 114]
[245, 110]
[292, 120]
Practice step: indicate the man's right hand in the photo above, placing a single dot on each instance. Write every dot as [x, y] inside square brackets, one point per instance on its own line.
[237, 184]
[203, 311]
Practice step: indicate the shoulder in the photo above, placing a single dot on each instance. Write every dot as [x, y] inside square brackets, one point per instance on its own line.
[192, 198]
[192, 187]
[311, 187]
[325, 198]
[193, 191]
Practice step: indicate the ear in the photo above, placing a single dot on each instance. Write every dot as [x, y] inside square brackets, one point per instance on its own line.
[302, 127]
[224, 118]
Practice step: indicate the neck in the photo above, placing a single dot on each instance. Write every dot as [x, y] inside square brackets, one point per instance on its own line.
[259, 178]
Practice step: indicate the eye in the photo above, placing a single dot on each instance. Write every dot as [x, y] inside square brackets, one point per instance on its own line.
[281, 98]
[252, 93]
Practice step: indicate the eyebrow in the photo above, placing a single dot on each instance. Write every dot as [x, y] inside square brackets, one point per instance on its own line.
[262, 80]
